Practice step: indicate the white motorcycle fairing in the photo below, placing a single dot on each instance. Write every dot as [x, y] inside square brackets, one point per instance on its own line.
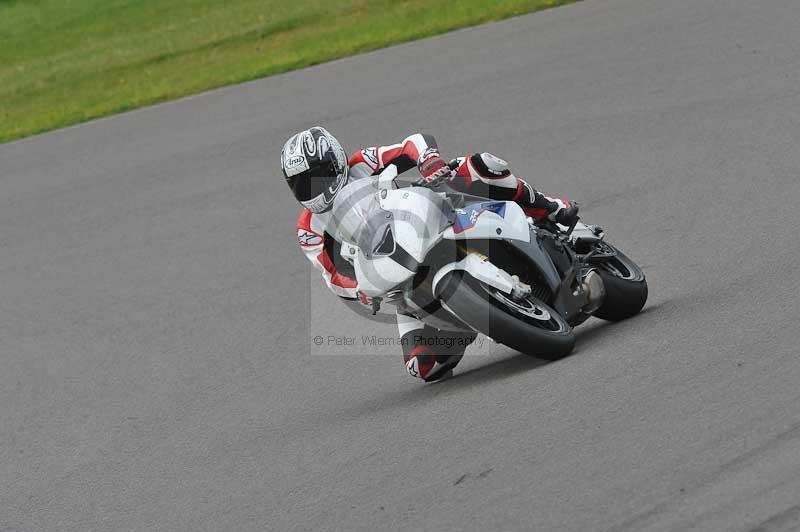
[490, 220]
[485, 220]
[387, 232]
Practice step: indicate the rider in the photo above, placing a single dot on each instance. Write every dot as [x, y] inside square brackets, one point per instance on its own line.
[316, 168]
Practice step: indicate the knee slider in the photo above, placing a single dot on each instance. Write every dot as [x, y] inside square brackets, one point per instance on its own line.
[489, 166]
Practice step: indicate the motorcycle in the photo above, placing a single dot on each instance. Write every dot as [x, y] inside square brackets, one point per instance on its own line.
[464, 263]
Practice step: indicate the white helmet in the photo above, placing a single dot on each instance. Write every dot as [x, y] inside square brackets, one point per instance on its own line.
[315, 167]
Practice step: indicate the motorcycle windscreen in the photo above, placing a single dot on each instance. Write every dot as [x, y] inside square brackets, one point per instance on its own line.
[355, 204]
[389, 222]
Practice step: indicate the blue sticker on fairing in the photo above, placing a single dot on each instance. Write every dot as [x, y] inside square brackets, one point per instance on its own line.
[468, 216]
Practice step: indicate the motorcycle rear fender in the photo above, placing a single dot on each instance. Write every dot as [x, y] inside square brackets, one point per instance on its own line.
[478, 267]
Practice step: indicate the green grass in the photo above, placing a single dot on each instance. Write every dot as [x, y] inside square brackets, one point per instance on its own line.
[67, 61]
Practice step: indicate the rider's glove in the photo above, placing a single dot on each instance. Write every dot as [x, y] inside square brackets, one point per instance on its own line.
[566, 214]
[433, 169]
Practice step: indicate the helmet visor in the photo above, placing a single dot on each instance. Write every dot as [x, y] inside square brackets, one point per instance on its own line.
[320, 179]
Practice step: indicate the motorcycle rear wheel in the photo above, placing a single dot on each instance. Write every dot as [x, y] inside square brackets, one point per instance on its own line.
[528, 325]
[626, 287]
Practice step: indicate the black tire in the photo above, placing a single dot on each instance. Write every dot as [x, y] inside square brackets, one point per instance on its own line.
[626, 287]
[547, 336]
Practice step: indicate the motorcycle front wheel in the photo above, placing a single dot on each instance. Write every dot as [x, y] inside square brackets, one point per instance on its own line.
[528, 324]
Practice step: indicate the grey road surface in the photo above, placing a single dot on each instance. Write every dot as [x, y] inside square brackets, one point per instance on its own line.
[156, 364]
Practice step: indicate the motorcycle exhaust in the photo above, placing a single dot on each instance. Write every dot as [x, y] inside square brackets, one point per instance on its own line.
[595, 291]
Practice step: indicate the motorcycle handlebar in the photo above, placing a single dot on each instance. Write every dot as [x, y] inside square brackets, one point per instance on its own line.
[572, 225]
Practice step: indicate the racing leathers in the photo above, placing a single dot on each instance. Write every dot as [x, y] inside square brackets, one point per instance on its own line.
[428, 353]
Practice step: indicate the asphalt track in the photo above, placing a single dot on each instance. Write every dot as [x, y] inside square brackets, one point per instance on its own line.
[156, 364]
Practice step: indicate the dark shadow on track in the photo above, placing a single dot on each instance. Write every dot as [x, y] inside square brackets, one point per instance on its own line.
[518, 363]
[417, 394]
[599, 329]
[494, 370]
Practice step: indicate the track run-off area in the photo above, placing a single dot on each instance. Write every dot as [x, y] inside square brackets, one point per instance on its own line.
[156, 364]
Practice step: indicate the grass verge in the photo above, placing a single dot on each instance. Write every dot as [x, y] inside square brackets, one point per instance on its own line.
[67, 61]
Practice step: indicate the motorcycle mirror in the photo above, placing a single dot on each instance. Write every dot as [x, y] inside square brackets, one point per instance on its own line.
[387, 177]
